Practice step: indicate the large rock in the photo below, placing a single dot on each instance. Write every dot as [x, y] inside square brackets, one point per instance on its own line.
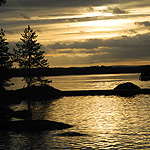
[127, 86]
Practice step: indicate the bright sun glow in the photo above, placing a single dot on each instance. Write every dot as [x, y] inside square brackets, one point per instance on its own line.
[102, 23]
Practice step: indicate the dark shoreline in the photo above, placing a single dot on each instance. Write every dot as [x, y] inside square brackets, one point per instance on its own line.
[76, 71]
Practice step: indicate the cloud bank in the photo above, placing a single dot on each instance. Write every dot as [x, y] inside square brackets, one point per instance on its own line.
[82, 32]
[99, 51]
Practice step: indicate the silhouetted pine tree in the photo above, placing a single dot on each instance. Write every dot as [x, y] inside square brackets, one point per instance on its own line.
[29, 56]
[5, 61]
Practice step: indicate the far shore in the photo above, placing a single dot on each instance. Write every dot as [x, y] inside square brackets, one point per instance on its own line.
[77, 71]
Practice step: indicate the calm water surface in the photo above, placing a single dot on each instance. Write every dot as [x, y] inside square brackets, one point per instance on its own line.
[109, 122]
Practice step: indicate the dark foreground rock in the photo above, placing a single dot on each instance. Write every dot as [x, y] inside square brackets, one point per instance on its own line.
[127, 89]
[33, 125]
[127, 86]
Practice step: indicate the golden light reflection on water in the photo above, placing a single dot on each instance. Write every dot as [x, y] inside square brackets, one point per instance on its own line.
[96, 114]
[108, 121]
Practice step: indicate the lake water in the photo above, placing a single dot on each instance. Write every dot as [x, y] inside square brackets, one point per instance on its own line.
[108, 122]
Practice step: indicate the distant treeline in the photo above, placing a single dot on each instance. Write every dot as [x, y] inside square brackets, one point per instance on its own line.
[76, 71]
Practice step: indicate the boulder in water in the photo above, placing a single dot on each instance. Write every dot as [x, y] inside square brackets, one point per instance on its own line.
[127, 86]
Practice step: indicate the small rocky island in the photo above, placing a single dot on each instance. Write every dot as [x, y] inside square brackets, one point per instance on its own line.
[127, 89]
[127, 86]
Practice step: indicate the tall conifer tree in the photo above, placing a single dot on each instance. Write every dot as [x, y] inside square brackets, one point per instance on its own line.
[5, 61]
[29, 56]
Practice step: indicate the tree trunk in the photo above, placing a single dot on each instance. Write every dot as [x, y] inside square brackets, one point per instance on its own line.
[29, 83]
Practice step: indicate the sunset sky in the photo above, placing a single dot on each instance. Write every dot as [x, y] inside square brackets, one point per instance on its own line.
[83, 32]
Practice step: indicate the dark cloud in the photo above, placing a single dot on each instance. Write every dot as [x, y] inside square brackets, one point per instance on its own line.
[71, 3]
[123, 41]
[124, 48]
[39, 21]
[24, 16]
[115, 10]
[131, 31]
[90, 8]
[114, 55]
[17, 9]
[62, 3]
[144, 23]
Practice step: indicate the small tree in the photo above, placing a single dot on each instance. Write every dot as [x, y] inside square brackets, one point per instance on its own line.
[5, 61]
[29, 56]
